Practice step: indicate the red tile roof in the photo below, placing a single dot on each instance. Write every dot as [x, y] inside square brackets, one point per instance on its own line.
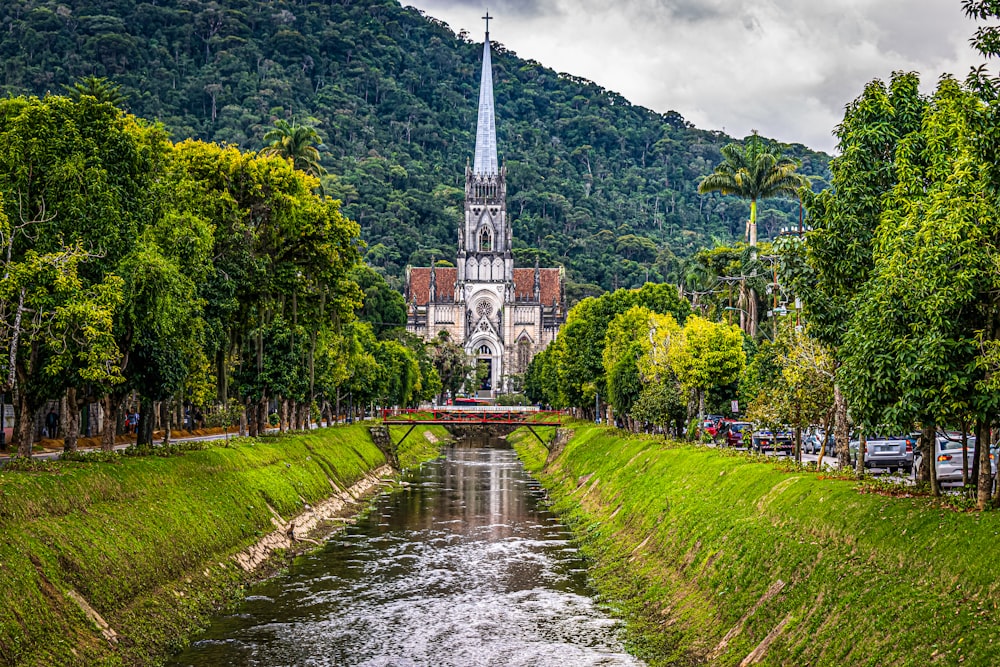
[524, 284]
[551, 286]
[420, 284]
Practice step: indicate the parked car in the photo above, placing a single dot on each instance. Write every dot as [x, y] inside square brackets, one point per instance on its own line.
[948, 457]
[710, 424]
[819, 440]
[781, 442]
[890, 452]
[734, 432]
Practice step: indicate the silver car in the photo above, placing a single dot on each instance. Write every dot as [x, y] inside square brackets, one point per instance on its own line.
[890, 452]
[948, 457]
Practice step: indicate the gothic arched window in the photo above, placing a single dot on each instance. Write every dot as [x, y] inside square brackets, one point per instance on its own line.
[484, 350]
[485, 240]
[523, 354]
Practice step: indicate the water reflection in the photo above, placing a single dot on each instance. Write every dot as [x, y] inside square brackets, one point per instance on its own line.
[461, 568]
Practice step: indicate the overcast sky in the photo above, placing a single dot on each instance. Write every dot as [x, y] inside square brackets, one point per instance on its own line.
[783, 67]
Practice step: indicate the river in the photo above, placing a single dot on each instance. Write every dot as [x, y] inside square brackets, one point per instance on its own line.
[461, 567]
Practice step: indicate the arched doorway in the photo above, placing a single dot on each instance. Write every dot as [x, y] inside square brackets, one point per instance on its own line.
[484, 358]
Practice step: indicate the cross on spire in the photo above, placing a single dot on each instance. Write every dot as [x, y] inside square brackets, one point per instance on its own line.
[487, 17]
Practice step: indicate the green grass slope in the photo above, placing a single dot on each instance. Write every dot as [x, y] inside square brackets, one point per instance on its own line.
[146, 541]
[712, 557]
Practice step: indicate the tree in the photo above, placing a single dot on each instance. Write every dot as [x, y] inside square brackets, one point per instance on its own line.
[451, 363]
[705, 355]
[99, 88]
[839, 252]
[296, 143]
[80, 178]
[383, 307]
[789, 383]
[911, 350]
[753, 171]
[635, 364]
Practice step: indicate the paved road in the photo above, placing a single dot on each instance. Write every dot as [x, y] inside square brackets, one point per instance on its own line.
[52, 456]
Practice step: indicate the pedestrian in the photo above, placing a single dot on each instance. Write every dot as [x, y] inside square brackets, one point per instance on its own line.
[51, 424]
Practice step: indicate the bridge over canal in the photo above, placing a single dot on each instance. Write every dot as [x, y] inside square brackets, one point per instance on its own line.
[496, 420]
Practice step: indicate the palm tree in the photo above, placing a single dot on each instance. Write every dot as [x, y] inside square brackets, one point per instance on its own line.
[754, 171]
[296, 143]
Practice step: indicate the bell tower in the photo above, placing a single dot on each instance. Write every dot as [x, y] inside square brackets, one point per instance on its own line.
[484, 240]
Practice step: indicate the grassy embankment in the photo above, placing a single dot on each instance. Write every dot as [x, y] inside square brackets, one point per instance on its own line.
[146, 541]
[710, 556]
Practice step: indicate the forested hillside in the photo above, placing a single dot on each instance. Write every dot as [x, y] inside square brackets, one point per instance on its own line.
[598, 184]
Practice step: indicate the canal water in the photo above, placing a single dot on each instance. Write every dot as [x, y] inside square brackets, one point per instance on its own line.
[462, 567]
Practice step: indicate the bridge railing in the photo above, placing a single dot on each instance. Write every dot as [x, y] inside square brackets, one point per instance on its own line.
[480, 415]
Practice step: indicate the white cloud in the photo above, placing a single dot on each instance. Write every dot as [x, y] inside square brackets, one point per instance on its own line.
[783, 67]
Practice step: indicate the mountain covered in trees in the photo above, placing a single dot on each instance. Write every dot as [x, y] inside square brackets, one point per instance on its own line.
[605, 187]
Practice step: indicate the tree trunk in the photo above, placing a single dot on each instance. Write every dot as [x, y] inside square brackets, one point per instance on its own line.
[965, 454]
[841, 429]
[109, 404]
[165, 420]
[251, 416]
[928, 437]
[798, 443]
[283, 421]
[144, 429]
[985, 482]
[244, 423]
[262, 416]
[223, 375]
[71, 414]
[25, 434]
[859, 467]
[974, 472]
[822, 444]
[306, 415]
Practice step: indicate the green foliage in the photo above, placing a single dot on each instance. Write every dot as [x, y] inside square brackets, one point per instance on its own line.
[707, 354]
[296, 143]
[663, 522]
[910, 351]
[789, 382]
[392, 93]
[754, 171]
[381, 306]
[450, 362]
[572, 372]
[845, 217]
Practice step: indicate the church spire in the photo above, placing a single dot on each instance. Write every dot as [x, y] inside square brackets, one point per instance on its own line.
[486, 130]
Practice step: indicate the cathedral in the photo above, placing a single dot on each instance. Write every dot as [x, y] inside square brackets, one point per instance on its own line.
[501, 314]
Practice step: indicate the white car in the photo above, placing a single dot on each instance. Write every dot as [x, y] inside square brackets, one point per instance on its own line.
[948, 457]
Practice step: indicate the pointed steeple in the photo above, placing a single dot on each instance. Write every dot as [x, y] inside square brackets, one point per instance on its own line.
[486, 130]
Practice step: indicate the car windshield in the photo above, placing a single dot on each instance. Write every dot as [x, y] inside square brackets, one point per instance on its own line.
[737, 427]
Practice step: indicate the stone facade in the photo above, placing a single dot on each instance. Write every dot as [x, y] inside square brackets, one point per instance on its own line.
[501, 314]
